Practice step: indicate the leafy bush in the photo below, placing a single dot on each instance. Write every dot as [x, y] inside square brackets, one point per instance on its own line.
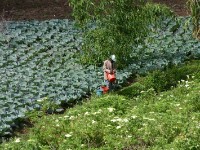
[118, 25]
[194, 7]
[158, 12]
[133, 90]
[162, 80]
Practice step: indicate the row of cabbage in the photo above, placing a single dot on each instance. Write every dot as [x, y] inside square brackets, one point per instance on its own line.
[169, 44]
[37, 60]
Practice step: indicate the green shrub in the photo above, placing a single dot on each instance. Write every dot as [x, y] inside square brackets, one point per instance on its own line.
[133, 90]
[157, 11]
[162, 80]
[194, 7]
[116, 27]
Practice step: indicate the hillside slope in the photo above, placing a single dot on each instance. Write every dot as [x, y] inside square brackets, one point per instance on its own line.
[166, 120]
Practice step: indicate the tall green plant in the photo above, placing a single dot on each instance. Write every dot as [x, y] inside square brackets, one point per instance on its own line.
[194, 6]
[118, 24]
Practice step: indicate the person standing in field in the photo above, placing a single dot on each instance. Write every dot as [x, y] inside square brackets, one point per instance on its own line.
[109, 67]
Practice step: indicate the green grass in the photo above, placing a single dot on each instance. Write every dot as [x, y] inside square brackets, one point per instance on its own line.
[145, 120]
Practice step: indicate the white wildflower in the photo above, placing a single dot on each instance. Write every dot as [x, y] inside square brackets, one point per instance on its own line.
[57, 125]
[56, 120]
[118, 127]
[150, 119]
[40, 100]
[71, 118]
[129, 136]
[98, 112]
[182, 80]
[111, 109]
[68, 135]
[86, 113]
[186, 85]
[31, 140]
[116, 119]
[93, 121]
[125, 120]
[133, 116]
[188, 76]
[144, 124]
[177, 105]
[17, 140]
[95, 113]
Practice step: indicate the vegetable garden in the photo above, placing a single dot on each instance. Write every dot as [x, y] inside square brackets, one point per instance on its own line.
[38, 59]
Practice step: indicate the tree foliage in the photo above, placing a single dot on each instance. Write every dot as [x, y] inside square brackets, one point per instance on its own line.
[194, 7]
[116, 26]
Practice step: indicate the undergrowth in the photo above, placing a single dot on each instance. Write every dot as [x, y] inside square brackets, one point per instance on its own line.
[148, 119]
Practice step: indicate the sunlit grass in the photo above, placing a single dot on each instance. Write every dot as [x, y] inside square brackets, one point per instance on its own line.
[168, 120]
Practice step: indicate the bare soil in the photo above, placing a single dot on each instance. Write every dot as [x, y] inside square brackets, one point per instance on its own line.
[178, 6]
[34, 9]
[59, 9]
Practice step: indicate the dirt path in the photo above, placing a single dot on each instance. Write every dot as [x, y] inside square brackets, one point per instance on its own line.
[34, 9]
[178, 6]
[52, 9]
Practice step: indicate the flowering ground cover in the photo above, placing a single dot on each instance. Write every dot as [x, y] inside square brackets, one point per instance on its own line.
[150, 120]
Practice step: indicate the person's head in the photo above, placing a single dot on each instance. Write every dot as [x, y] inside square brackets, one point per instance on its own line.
[113, 58]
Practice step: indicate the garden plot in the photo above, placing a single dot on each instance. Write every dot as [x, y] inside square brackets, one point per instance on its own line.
[37, 60]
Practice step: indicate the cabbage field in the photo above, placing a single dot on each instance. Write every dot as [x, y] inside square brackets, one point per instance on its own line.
[38, 59]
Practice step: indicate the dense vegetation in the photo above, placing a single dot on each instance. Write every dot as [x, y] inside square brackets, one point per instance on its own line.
[117, 26]
[194, 7]
[41, 69]
[39, 60]
[125, 120]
